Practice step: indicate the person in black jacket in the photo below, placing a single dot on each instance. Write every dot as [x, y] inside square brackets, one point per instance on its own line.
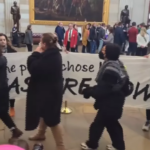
[7, 48]
[45, 90]
[109, 98]
[119, 37]
[93, 38]
[4, 98]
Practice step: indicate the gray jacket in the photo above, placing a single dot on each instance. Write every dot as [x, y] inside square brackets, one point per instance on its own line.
[28, 37]
[110, 38]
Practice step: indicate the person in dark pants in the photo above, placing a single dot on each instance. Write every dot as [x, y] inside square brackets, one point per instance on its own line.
[119, 37]
[15, 40]
[60, 31]
[7, 48]
[146, 126]
[28, 40]
[142, 42]
[93, 38]
[109, 94]
[132, 34]
[71, 38]
[4, 95]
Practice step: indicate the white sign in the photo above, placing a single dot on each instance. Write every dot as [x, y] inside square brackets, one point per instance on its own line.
[80, 69]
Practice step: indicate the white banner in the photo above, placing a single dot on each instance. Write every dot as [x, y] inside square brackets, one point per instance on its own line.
[80, 70]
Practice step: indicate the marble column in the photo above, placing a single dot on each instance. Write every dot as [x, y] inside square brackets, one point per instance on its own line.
[8, 16]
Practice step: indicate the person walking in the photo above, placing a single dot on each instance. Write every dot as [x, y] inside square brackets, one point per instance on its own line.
[7, 48]
[85, 36]
[4, 95]
[45, 90]
[132, 34]
[146, 126]
[142, 42]
[109, 94]
[29, 38]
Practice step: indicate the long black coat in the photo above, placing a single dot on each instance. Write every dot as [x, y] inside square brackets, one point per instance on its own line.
[4, 92]
[45, 90]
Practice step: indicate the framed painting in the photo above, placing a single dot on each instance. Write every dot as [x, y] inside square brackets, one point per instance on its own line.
[50, 12]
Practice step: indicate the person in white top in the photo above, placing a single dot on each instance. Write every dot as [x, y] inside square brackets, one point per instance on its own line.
[142, 42]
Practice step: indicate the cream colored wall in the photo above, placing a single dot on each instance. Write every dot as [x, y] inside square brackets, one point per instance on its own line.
[137, 8]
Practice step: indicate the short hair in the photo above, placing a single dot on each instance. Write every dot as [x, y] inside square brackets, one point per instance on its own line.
[133, 23]
[111, 30]
[120, 23]
[112, 51]
[103, 24]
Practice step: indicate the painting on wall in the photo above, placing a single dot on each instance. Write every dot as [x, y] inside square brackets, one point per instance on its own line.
[79, 11]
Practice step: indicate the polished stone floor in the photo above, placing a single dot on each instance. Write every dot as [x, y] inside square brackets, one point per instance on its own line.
[76, 127]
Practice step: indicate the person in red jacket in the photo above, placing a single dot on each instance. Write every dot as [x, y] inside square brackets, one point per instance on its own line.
[132, 33]
[71, 38]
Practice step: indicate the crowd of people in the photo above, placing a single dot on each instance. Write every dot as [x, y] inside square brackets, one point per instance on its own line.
[45, 96]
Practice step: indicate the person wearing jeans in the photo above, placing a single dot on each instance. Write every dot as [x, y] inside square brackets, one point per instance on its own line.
[93, 37]
[101, 35]
[146, 126]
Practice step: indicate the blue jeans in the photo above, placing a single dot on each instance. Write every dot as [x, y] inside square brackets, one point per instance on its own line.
[93, 46]
[100, 45]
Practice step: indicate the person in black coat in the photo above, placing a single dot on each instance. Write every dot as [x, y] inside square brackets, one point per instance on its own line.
[4, 97]
[119, 37]
[45, 90]
[7, 48]
[109, 95]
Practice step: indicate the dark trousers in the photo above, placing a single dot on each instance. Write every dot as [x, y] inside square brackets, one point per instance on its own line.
[29, 47]
[83, 49]
[15, 39]
[148, 114]
[12, 103]
[7, 119]
[88, 47]
[113, 127]
[141, 51]
[132, 49]
[93, 46]
[68, 47]
[60, 42]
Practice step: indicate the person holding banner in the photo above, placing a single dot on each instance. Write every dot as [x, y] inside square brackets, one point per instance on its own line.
[110, 92]
[45, 90]
[7, 48]
[4, 96]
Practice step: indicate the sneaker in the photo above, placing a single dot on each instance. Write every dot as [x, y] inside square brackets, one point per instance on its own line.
[146, 126]
[12, 112]
[110, 147]
[85, 147]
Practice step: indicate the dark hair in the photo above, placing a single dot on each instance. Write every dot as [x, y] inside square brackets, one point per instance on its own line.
[111, 30]
[120, 23]
[112, 51]
[103, 24]
[89, 24]
[50, 40]
[74, 25]
[29, 27]
[133, 23]
[8, 42]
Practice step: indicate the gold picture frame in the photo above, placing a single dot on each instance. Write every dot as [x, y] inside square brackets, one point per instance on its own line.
[105, 16]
